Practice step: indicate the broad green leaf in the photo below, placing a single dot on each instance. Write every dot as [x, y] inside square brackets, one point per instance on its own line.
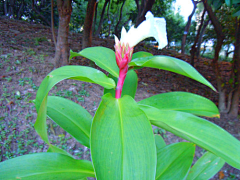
[122, 142]
[129, 86]
[141, 54]
[205, 167]
[43, 166]
[199, 131]
[171, 64]
[182, 101]
[71, 117]
[174, 161]
[103, 57]
[159, 141]
[81, 73]
[55, 149]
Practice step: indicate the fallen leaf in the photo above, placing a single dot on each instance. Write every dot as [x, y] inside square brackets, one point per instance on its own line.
[221, 175]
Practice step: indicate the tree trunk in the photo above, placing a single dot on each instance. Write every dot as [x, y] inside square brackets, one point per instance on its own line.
[87, 32]
[194, 49]
[236, 72]
[204, 49]
[201, 36]
[5, 7]
[101, 18]
[11, 8]
[109, 22]
[19, 12]
[187, 27]
[215, 65]
[146, 5]
[52, 24]
[95, 18]
[117, 32]
[62, 48]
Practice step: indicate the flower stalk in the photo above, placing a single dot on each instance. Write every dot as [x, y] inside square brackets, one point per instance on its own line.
[151, 27]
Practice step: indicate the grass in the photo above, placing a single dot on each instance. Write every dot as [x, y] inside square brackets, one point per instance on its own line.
[12, 141]
[24, 81]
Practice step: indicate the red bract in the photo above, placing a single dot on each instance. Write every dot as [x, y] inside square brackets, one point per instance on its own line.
[123, 57]
[123, 54]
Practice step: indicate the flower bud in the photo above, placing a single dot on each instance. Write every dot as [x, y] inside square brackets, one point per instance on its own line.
[123, 53]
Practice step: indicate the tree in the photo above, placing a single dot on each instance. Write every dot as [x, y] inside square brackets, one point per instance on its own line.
[174, 20]
[233, 112]
[187, 27]
[222, 26]
[117, 31]
[52, 23]
[62, 47]
[143, 8]
[201, 36]
[38, 12]
[77, 19]
[162, 7]
[87, 32]
[101, 18]
[194, 49]
[215, 65]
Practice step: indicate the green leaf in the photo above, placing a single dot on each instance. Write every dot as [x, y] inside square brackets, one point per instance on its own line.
[182, 101]
[77, 123]
[236, 12]
[235, 1]
[199, 131]
[81, 73]
[173, 65]
[122, 142]
[205, 167]
[41, 124]
[174, 161]
[42, 166]
[141, 54]
[217, 4]
[55, 149]
[103, 57]
[129, 86]
[159, 141]
[228, 2]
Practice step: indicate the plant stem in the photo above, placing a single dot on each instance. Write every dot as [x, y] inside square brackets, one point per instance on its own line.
[122, 76]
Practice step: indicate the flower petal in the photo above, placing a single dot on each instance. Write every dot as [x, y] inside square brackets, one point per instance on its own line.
[116, 39]
[123, 35]
[161, 36]
[151, 27]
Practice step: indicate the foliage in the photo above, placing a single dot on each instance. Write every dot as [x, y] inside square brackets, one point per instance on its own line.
[173, 21]
[230, 3]
[161, 8]
[120, 134]
[77, 19]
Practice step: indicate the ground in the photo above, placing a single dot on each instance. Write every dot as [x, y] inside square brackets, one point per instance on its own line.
[26, 53]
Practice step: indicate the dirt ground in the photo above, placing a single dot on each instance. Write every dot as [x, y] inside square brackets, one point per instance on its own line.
[26, 53]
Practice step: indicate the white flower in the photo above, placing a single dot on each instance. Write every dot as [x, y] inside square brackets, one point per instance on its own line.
[151, 27]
